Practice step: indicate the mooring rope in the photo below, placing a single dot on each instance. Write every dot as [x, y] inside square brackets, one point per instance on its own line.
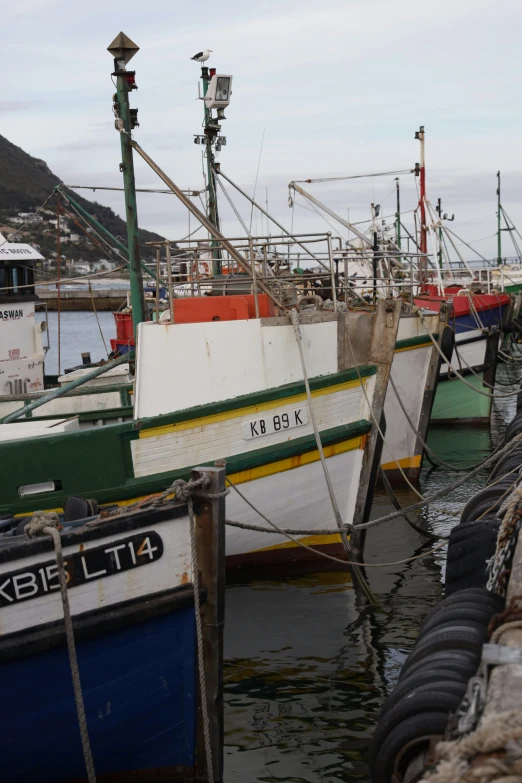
[333, 500]
[46, 524]
[423, 442]
[290, 533]
[457, 374]
[490, 753]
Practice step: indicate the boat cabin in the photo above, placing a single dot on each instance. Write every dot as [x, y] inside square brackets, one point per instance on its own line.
[21, 349]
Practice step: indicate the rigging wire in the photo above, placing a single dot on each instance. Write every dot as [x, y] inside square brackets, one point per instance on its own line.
[355, 176]
[255, 183]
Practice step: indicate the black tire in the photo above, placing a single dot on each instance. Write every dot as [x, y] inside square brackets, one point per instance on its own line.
[506, 464]
[416, 728]
[462, 662]
[459, 581]
[76, 508]
[490, 497]
[462, 605]
[455, 638]
[423, 677]
[457, 614]
[466, 564]
[477, 536]
[445, 697]
[470, 594]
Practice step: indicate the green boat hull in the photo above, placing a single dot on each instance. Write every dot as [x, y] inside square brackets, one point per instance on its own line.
[455, 402]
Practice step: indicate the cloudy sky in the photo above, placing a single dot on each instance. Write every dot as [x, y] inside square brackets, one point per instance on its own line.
[337, 88]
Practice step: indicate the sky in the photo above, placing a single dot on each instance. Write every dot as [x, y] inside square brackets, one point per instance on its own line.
[320, 90]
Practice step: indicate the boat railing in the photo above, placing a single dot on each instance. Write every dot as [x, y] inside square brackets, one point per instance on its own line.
[306, 263]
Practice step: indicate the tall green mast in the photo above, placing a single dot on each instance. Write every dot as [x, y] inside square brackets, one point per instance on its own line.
[123, 50]
[499, 230]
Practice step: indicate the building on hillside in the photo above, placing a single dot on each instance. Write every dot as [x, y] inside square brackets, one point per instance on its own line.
[81, 267]
[104, 265]
[30, 217]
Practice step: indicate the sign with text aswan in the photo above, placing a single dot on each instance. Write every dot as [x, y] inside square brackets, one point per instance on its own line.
[17, 251]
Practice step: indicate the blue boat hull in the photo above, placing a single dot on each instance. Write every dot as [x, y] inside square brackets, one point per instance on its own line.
[467, 323]
[140, 692]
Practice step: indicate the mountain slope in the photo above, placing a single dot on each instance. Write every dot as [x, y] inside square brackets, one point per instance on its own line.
[25, 183]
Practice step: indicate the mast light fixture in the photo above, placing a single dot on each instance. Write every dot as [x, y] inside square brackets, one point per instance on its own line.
[219, 91]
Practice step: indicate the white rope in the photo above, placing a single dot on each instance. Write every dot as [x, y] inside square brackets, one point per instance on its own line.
[288, 534]
[457, 374]
[297, 331]
[46, 523]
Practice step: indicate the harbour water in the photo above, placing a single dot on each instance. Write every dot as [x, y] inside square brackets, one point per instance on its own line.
[308, 661]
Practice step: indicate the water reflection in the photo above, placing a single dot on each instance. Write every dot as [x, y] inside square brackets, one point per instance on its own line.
[308, 661]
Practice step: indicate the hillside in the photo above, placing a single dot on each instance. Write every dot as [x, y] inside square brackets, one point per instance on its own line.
[25, 183]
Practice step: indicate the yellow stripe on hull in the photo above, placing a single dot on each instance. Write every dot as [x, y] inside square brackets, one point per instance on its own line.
[414, 347]
[405, 462]
[295, 462]
[249, 410]
[315, 541]
[290, 463]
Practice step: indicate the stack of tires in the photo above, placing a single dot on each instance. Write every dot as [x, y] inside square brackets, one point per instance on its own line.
[447, 652]
[433, 680]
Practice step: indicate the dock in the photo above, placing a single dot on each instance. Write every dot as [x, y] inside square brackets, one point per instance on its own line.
[75, 299]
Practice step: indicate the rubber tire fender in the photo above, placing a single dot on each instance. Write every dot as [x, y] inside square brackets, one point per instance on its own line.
[457, 614]
[462, 662]
[456, 601]
[491, 494]
[427, 698]
[454, 638]
[421, 678]
[409, 730]
[76, 508]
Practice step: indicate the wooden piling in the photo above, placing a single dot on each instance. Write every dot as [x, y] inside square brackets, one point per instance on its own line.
[210, 546]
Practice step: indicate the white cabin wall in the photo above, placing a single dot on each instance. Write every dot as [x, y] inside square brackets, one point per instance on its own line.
[183, 365]
[21, 352]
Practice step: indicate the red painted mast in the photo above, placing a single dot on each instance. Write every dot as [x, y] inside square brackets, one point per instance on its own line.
[422, 205]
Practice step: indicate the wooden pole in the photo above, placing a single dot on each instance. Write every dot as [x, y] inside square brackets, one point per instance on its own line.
[210, 546]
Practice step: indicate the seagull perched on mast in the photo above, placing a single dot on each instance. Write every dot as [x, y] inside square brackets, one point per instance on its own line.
[202, 57]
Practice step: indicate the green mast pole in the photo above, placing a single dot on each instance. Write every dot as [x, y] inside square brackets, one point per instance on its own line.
[499, 234]
[123, 49]
[213, 212]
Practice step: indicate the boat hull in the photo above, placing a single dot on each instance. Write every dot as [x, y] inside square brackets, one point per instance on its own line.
[140, 690]
[131, 596]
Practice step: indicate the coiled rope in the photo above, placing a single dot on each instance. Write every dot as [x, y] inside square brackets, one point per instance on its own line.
[466, 760]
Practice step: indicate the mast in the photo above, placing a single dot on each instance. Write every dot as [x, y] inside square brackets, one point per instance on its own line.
[499, 230]
[123, 49]
[439, 213]
[211, 141]
[398, 214]
[375, 259]
[422, 203]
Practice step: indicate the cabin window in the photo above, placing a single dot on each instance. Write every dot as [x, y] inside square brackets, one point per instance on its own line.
[14, 279]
